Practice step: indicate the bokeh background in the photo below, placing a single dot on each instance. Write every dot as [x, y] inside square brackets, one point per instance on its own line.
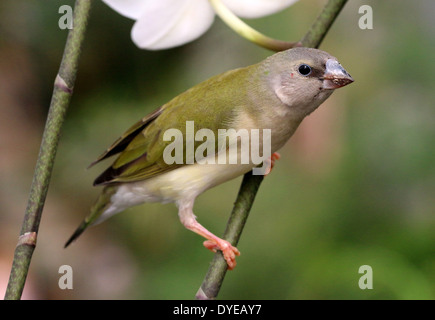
[355, 185]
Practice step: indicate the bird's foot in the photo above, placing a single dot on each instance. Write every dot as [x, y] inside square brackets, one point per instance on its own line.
[229, 252]
[213, 242]
[271, 162]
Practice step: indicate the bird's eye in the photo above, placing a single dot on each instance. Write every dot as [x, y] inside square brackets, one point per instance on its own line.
[304, 69]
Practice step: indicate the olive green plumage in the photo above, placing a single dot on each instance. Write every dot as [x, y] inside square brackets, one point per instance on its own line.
[275, 94]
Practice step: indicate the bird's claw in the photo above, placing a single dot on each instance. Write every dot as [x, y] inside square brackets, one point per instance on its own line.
[229, 252]
[271, 162]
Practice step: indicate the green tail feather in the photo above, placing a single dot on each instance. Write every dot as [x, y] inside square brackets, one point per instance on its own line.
[96, 211]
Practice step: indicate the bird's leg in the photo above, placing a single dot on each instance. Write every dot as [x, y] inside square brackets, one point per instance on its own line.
[213, 242]
[271, 162]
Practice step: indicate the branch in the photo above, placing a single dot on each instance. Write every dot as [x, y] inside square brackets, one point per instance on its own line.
[216, 273]
[62, 93]
[218, 267]
[314, 37]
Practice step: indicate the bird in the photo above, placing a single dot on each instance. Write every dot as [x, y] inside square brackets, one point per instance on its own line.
[272, 97]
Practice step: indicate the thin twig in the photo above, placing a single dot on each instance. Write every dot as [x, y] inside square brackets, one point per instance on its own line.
[314, 37]
[216, 273]
[62, 93]
[218, 267]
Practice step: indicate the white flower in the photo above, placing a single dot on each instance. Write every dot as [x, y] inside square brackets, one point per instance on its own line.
[162, 24]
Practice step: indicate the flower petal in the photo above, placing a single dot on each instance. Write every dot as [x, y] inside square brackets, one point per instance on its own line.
[256, 8]
[129, 8]
[170, 23]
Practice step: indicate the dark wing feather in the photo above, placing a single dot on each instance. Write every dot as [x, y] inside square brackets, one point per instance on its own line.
[122, 142]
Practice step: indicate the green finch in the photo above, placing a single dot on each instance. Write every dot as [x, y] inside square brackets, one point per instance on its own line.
[162, 159]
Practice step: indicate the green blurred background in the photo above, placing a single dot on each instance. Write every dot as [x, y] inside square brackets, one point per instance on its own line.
[355, 185]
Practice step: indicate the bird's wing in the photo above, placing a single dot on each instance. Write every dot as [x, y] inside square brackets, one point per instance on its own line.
[141, 147]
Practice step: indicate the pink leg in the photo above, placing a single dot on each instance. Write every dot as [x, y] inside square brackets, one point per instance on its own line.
[213, 242]
[275, 156]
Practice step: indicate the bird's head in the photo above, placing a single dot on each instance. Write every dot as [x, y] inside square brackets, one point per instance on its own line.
[302, 78]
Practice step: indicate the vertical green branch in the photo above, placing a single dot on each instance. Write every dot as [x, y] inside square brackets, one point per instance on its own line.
[62, 93]
[218, 267]
[314, 37]
[216, 273]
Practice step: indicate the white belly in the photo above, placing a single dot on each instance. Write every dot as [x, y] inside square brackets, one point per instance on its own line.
[182, 184]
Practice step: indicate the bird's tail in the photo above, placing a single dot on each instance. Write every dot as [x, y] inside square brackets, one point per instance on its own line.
[96, 210]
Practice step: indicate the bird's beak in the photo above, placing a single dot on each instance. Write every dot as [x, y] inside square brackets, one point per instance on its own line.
[335, 75]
